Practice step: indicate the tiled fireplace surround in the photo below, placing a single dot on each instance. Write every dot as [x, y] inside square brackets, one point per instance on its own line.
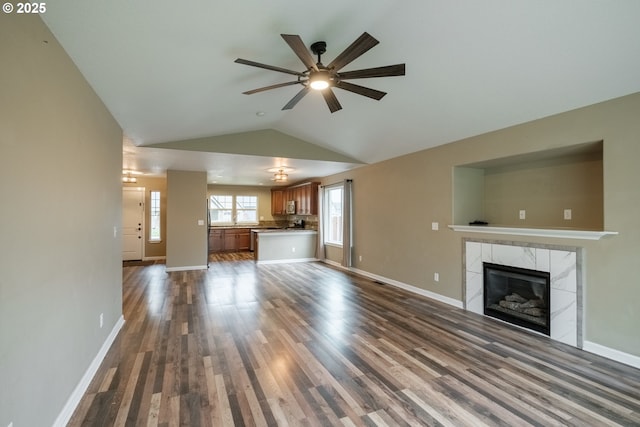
[563, 263]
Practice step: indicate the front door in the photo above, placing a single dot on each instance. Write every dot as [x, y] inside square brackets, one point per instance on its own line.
[132, 223]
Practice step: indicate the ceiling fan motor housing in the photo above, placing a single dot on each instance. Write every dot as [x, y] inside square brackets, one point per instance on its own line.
[319, 48]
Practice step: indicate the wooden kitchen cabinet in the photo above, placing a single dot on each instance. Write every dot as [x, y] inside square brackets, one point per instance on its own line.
[305, 195]
[278, 201]
[312, 189]
[216, 240]
[230, 240]
[243, 240]
[237, 239]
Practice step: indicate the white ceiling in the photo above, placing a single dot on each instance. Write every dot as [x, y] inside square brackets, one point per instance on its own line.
[165, 70]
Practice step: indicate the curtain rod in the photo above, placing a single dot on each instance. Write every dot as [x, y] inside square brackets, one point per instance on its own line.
[336, 183]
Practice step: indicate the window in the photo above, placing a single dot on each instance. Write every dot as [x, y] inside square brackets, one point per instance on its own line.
[233, 209]
[154, 216]
[246, 209]
[333, 215]
[221, 209]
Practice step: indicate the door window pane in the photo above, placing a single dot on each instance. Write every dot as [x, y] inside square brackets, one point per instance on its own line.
[154, 213]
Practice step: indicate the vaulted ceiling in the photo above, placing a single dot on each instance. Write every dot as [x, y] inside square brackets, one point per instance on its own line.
[166, 72]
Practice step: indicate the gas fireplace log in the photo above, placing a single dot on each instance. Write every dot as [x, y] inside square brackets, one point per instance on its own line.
[517, 307]
[537, 312]
[533, 303]
[515, 298]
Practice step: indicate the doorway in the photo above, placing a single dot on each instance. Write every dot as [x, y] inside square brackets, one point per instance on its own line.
[132, 223]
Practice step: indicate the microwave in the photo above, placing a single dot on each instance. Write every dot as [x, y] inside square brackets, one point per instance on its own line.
[291, 207]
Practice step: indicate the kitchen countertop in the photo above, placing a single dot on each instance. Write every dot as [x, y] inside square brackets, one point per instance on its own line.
[283, 230]
[234, 227]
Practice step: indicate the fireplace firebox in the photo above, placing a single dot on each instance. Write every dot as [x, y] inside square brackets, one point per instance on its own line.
[518, 296]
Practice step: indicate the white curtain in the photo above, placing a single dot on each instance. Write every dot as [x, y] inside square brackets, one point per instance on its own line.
[346, 224]
[320, 245]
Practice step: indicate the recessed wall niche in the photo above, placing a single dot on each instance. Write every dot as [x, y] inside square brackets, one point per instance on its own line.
[549, 186]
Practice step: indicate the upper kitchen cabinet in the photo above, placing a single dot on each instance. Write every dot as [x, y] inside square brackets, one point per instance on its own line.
[278, 201]
[304, 195]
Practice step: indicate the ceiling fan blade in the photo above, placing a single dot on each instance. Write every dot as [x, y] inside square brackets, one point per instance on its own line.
[386, 71]
[262, 89]
[331, 100]
[268, 67]
[361, 90]
[296, 98]
[297, 45]
[357, 48]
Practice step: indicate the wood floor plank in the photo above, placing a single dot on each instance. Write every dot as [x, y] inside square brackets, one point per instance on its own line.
[306, 344]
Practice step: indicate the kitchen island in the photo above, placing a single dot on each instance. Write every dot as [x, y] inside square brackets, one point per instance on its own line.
[284, 245]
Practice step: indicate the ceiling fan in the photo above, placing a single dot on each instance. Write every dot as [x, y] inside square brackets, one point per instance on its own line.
[322, 78]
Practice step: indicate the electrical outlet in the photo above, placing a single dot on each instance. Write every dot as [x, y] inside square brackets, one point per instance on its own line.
[435, 226]
[293, 249]
[436, 277]
[567, 214]
[101, 320]
[523, 214]
[360, 258]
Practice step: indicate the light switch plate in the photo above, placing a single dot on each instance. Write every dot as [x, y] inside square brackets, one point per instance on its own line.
[435, 226]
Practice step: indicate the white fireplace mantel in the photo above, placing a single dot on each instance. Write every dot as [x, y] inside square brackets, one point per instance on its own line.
[538, 232]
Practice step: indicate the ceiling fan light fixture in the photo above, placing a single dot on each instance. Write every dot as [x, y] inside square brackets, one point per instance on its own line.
[319, 80]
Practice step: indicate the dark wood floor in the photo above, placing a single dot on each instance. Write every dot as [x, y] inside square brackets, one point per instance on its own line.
[306, 345]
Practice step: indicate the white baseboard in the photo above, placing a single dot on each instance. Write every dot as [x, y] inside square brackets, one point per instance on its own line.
[613, 354]
[74, 400]
[186, 268]
[333, 263]
[286, 261]
[447, 300]
[591, 347]
[154, 258]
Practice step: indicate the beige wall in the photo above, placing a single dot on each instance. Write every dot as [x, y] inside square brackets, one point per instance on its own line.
[186, 206]
[544, 189]
[395, 202]
[155, 249]
[60, 172]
